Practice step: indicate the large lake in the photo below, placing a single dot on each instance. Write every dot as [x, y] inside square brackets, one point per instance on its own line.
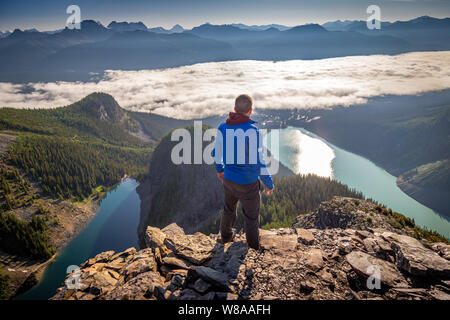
[304, 152]
[114, 227]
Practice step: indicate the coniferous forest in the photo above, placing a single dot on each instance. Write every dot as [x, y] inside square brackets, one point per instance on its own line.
[292, 196]
[70, 169]
[69, 152]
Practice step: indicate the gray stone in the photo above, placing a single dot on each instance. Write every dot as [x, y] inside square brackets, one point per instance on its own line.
[370, 245]
[417, 260]
[176, 262]
[440, 295]
[214, 277]
[172, 229]
[362, 262]
[154, 238]
[139, 266]
[196, 248]
[201, 286]
[188, 294]
[208, 296]
[442, 249]
[270, 240]
[304, 236]
[313, 258]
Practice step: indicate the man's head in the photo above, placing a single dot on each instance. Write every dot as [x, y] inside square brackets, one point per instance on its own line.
[243, 104]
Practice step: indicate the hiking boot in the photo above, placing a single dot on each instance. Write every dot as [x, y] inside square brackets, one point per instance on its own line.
[228, 239]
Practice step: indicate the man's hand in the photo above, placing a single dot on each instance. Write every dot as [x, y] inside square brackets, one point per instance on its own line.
[220, 175]
[269, 192]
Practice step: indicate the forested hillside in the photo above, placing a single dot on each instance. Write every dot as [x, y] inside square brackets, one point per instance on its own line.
[74, 149]
[292, 196]
[299, 194]
[72, 169]
[55, 163]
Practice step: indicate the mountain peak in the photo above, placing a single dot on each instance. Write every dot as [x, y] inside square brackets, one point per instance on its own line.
[177, 28]
[313, 27]
[102, 106]
[92, 26]
[127, 26]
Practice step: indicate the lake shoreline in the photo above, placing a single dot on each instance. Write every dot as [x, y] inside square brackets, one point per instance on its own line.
[37, 268]
[90, 208]
[102, 232]
[364, 175]
[419, 194]
[429, 198]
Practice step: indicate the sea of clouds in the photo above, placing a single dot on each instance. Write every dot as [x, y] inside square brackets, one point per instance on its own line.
[208, 89]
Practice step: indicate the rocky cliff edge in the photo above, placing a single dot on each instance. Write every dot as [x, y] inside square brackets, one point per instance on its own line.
[317, 258]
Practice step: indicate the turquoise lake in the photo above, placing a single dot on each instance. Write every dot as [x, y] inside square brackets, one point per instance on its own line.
[304, 152]
[114, 227]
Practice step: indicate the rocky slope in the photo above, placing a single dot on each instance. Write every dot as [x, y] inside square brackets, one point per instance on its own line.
[294, 263]
[167, 193]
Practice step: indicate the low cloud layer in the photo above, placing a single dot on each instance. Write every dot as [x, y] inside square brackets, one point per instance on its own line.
[209, 89]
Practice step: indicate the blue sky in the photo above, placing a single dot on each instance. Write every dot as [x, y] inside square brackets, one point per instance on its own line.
[51, 14]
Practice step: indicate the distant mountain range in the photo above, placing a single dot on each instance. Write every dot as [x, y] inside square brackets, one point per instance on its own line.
[75, 54]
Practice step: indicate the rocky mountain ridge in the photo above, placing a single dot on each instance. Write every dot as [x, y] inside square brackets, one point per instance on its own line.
[328, 262]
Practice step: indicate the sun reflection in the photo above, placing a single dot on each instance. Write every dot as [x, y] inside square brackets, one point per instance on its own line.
[305, 154]
[314, 156]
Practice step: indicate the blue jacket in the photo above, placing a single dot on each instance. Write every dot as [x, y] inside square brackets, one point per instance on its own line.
[241, 163]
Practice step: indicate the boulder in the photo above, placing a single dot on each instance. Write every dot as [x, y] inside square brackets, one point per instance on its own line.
[416, 259]
[212, 276]
[201, 286]
[172, 229]
[313, 258]
[139, 266]
[442, 249]
[176, 262]
[102, 282]
[270, 240]
[196, 248]
[154, 238]
[294, 263]
[304, 236]
[362, 263]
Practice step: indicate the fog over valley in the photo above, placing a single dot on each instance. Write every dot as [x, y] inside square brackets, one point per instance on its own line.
[208, 89]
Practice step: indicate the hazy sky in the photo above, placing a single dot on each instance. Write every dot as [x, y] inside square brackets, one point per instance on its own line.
[51, 14]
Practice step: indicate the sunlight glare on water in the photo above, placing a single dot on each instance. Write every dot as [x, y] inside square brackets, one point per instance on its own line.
[306, 154]
[314, 156]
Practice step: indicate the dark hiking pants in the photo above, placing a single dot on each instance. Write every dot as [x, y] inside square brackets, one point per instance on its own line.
[250, 198]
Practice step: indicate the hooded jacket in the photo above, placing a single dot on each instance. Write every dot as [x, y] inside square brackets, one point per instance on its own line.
[238, 151]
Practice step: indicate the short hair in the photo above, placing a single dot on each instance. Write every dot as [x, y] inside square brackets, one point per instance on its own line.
[243, 103]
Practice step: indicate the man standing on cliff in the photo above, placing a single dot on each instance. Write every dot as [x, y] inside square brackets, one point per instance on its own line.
[239, 161]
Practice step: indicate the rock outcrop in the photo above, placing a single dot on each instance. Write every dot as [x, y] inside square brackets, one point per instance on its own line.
[345, 213]
[167, 193]
[293, 263]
